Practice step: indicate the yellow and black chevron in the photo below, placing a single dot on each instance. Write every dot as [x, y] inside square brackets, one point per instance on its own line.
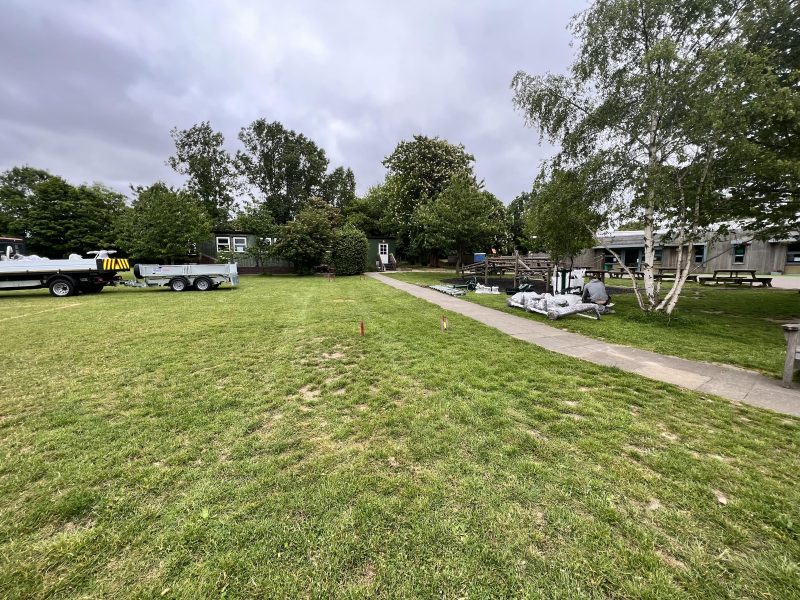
[113, 264]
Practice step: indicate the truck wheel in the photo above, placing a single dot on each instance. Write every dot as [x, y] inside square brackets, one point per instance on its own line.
[202, 284]
[61, 287]
[178, 284]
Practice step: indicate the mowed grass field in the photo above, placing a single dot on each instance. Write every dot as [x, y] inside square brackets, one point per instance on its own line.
[248, 443]
[735, 326]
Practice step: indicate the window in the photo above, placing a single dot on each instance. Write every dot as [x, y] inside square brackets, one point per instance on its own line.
[738, 254]
[383, 248]
[223, 244]
[793, 254]
[699, 254]
[659, 252]
[239, 244]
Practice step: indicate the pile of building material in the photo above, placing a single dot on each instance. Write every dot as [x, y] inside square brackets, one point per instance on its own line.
[486, 289]
[555, 307]
[449, 290]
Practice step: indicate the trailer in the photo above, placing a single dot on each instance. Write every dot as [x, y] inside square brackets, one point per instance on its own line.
[63, 277]
[182, 277]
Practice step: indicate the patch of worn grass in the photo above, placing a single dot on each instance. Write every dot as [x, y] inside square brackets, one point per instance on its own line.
[249, 443]
[734, 326]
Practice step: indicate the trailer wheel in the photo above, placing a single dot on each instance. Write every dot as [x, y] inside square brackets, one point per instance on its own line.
[62, 287]
[178, 284]
[203, 284]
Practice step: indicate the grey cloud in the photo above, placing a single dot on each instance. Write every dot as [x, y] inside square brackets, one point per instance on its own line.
[90, 90]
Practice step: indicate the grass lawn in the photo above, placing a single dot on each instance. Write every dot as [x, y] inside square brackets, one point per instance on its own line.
[735, 326]
[248, 443]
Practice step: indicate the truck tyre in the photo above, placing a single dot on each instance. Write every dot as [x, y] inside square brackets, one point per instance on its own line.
[178, 284]
[62, 287]
[203, 284]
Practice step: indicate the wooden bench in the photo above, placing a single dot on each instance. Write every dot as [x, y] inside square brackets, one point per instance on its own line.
[735, 277]
[791, 332]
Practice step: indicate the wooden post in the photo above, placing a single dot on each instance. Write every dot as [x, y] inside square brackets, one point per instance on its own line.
[486, 269]
[516, 262]
[791, 332]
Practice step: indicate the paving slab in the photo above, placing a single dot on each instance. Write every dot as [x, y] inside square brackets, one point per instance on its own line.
[732, 383]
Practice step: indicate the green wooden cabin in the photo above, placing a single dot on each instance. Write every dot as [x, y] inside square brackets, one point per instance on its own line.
[381, 254]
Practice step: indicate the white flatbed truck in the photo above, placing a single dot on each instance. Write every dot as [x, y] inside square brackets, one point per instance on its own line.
[182, 277]
[63, 277]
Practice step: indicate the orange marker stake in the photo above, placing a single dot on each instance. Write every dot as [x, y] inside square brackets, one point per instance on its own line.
[362, 328]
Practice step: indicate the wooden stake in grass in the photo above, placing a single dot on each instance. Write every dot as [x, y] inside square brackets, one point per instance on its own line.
[443, 324]
[362, 328]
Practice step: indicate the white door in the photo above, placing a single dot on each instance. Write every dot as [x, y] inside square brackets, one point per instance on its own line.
[383, 253]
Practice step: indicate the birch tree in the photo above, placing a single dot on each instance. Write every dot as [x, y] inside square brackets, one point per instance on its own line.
[660, 88]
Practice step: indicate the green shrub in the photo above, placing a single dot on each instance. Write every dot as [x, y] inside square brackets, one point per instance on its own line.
[349, 251]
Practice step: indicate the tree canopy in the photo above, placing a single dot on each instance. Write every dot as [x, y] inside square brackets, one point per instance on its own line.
[659, 94]
[463, 217]
[54, 217]
[163, 224]
[284, 169]
[418, 171]
[200, 155]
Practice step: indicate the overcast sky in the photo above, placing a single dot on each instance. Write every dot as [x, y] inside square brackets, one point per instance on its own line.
[89, 90]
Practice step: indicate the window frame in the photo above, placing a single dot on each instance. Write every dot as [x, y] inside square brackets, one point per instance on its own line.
[793, 254]
[658, 254]
[235, 245]
[702, 255]
[226, 247]
[738, 259]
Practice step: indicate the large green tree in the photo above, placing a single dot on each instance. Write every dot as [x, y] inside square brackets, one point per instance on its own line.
[17, 194]
[659, 90]
[462, 218]
[516, 210]
[163, 224]
[200, 156]
[56, 218]
[339, 188]
[369, 213]
[282, 168]
[305, 241]
[418, 171]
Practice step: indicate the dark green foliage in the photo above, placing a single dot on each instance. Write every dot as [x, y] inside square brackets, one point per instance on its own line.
[559, 219]
[369, 214]
[462, 218]
[16, 197]
[284, 169]
[339, 188]
[55, 217]
[199, 154]
[516, 209]
[305, 241]
[163, 224]
[418, 171]
[349, 251]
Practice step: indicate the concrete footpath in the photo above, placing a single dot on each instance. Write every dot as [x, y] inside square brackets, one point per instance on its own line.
[728, 382]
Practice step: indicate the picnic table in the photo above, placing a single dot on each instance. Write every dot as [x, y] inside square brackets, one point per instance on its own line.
[735, 277]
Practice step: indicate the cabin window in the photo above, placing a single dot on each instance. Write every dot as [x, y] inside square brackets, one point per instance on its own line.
[239, 244]
[223, 244]
[659, 252]
[793, 253]
[699, 254]
[738, 254]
